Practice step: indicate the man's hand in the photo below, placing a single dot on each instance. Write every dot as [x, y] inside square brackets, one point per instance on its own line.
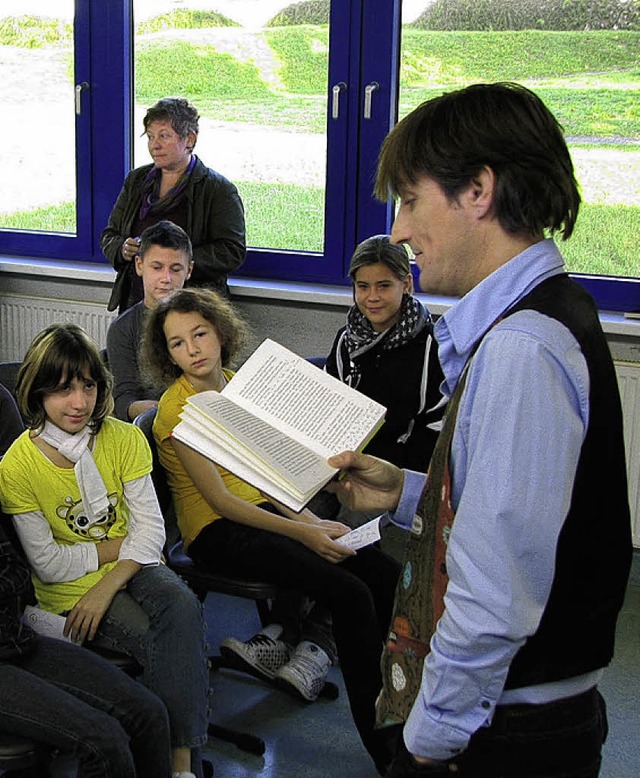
[366, 483]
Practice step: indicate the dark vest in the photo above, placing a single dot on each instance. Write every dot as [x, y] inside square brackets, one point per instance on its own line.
[593, 557]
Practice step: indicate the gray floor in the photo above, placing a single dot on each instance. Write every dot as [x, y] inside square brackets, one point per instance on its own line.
[319, 740]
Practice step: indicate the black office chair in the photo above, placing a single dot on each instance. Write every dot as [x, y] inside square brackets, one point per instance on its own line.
[23, 757]
[8, 375]
[202, 581]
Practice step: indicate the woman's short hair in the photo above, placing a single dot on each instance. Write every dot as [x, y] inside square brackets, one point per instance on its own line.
[180, 113]
[57, 355]
[503, 126]
[231, 328]
[379, 249]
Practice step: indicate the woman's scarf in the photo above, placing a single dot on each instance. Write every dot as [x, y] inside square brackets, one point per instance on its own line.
[151, 203]
[360, 336]
[76, 449]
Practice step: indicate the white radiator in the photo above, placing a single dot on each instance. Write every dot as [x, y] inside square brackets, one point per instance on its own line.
[21, 318]
[629, 382]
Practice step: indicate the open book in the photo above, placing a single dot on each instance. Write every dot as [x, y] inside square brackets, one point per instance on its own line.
[277, 421]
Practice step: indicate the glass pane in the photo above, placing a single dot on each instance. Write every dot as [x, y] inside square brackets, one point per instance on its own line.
[37, 134]
[257, 72]
[582, 60]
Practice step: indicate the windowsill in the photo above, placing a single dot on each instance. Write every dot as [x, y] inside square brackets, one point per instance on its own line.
[613, 323]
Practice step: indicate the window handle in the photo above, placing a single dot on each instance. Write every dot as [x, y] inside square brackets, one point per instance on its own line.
[335, 99]
[80, 88]
[368, 91]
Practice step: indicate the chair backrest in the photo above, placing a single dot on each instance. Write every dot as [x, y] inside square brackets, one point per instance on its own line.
[200, 580]
[8, 375]
[145, 422]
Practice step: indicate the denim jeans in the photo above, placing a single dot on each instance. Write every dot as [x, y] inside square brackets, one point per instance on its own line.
[560, 739]
[76, 701]
[358, 593]
[158, 620]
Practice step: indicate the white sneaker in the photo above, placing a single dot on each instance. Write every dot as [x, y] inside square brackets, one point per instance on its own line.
[262, 655]
[305, 673]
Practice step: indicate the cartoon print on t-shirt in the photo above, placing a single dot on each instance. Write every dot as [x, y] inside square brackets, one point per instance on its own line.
[76, 519]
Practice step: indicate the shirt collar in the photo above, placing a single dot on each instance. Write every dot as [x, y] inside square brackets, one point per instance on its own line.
[466, 322]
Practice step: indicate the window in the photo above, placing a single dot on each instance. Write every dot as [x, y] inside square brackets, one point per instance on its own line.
[295, 100]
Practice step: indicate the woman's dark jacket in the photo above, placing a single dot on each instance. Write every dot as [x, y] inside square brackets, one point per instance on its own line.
[215, 224]
[404, 380]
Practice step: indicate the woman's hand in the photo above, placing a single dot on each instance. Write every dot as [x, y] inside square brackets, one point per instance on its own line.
[84, 618]
[366, 483]
[130, 248]
[320, 538]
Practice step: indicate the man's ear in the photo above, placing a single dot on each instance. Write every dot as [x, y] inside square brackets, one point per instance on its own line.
[138, 260]
[189, 270]
[481, 191]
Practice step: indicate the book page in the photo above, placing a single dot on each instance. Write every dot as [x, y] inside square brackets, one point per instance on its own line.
[266, 482]
[303, 401]
[250, 438]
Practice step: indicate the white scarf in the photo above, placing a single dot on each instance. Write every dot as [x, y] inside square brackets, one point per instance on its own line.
[76, 449]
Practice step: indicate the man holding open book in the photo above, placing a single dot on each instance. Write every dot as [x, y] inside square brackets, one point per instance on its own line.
[520, 544]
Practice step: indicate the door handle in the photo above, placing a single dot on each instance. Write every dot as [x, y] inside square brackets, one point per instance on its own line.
[335, 98]
[368, 91]
[79, 89]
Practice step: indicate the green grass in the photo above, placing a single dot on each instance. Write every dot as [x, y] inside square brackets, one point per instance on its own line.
[33, 32]
[604, 241]
[283, 215]
[52, 218]
[185, 19]
[304, 54]
[198, 71]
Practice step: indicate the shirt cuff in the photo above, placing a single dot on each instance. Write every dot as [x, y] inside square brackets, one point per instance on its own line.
[412, 491]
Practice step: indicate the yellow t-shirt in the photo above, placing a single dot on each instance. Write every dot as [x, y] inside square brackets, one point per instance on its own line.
[29, 481]
[193, 512]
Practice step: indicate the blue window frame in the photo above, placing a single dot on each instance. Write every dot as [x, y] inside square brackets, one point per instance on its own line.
[364, 58]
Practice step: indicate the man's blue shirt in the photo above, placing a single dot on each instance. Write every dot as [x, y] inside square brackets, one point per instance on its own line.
[521, 424]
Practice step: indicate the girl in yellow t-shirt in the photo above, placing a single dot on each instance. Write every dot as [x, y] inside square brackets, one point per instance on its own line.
[231, 528]
[77, 483]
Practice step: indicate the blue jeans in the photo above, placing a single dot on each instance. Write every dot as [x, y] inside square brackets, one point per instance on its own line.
[76, 701]
[560, 739]
[158, 620]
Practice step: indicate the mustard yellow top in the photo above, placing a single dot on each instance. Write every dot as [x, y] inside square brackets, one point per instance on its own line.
[193, 512]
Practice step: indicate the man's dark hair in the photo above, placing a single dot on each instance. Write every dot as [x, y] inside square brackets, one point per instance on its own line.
[502, 126]
[167, 235]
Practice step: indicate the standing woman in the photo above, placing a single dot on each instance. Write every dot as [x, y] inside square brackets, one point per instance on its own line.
[77, 483]
[179, 187]
[387, 351]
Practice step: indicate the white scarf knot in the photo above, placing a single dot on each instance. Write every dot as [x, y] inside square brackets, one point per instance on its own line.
[76, 449]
